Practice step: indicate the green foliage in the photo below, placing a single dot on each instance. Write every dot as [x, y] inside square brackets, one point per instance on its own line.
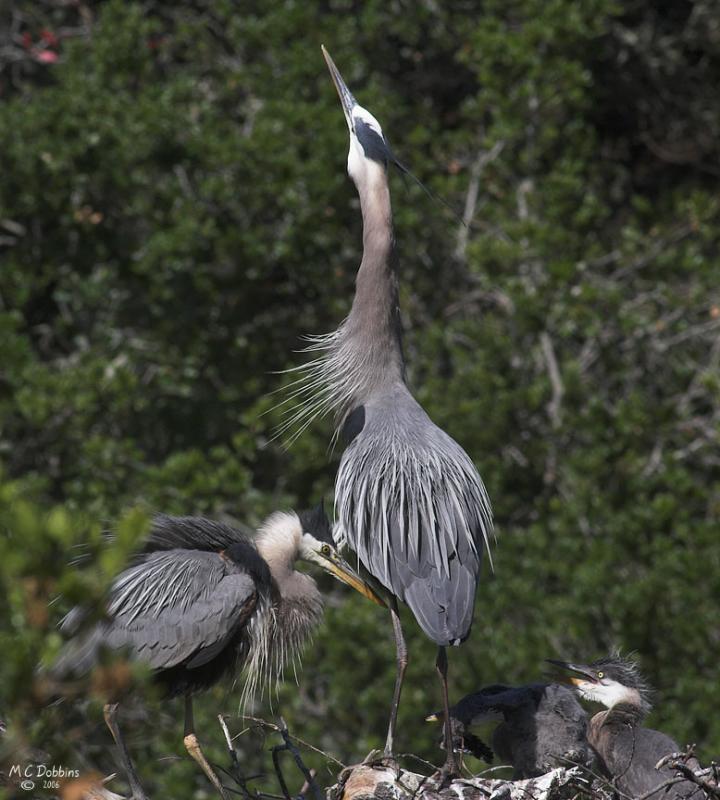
[174, 215]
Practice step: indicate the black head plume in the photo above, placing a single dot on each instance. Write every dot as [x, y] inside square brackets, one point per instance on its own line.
[316, 522]
[373, 143]
[378, 149]
[405, 172]
[624, 670]
[369, 135]
[614, 667]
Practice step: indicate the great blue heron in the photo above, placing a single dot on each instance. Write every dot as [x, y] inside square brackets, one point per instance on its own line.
[541, 726]
[202, 600]
[409, 500]
[629, 751]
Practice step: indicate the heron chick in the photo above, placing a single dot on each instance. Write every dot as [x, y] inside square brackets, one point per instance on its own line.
[541, 726]
[201, 600]
[628, 751]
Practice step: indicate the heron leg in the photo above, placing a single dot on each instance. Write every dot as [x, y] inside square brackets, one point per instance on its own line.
[451, 767]
[193, 747]
[110, 714]
[401, 654]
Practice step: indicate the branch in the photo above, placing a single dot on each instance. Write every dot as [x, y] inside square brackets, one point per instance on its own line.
[290, 747]
[273, 727]
[278, 771]
[678, 762]
[483, 159]
[558, 389]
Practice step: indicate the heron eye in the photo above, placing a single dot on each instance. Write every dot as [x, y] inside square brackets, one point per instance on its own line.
[601, 674]
[326, 549]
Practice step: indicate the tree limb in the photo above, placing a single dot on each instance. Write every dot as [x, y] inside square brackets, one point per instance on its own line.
[558, 389]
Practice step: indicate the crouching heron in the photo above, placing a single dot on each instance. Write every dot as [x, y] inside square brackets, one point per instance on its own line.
[409, 500]
[201, 601]
[629, 752]
[539, 726]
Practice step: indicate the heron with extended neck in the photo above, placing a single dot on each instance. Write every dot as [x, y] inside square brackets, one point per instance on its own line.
[410, 502]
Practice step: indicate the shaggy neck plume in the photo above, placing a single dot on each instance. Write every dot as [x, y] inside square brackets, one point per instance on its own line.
[296, 605]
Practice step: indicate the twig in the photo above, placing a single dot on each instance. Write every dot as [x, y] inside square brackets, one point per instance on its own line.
[654, 460]
[235, 773]
[558, 389]
[677, 761]
[483, 159]
[653, 251]
[306, 786]
[419, 760]
[278, 771]
[689, 333]
[289, 746]
[524, 188]
[615, 778]
[595, 777]
[272, 726]
[226, 734]
[660, 787]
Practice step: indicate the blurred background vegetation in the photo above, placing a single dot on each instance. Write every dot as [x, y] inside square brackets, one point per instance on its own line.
[175, 214]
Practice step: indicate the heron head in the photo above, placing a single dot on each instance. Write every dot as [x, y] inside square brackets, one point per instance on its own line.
[609, 680]
[369, 152]
[317, 547]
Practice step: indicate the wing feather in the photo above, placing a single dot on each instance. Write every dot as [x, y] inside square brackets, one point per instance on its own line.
[412, 505]
[172, 607]
[190, 533]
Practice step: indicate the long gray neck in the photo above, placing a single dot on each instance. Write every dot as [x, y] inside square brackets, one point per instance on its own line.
[374, 320]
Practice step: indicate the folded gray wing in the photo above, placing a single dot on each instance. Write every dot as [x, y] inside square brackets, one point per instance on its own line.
[172, 607]
[413, 507]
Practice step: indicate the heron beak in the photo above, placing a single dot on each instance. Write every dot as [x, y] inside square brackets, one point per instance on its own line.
[432, 718]
[346, 98]
[579, 669]
[338, 567]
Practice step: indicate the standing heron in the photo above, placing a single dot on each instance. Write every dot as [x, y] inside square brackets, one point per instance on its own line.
[629, 751]
[541, 726]
[409, 500]
[201, 601]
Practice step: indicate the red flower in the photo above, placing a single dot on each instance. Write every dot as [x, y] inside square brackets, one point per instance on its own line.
[46, 56]
[49, 37]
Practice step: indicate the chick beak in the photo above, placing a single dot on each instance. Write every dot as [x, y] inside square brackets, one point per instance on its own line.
[579, 669]
[338, 567]
[346, 98]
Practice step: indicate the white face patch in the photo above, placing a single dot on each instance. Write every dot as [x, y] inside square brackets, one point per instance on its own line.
[358, 163]
[608, 692]
[356, 158]
[361, 168]
[311, 549]
[309, 546]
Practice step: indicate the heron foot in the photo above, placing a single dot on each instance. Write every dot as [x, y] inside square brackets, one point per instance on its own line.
[193, 747]
[449, 771]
